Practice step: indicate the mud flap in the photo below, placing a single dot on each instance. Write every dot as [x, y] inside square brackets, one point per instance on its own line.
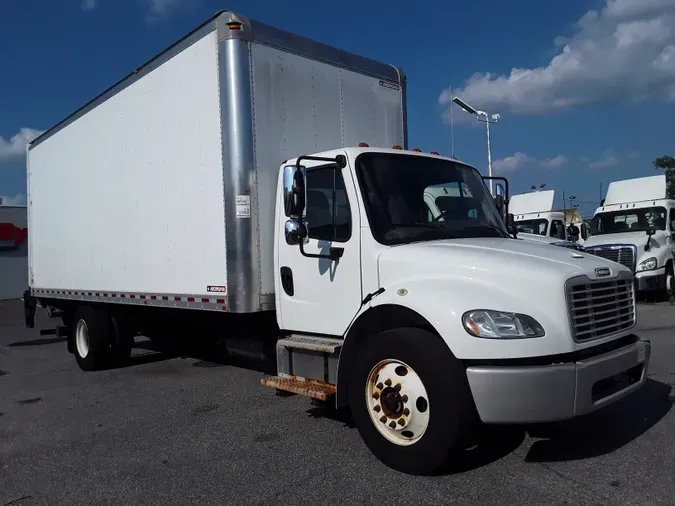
[29, 305]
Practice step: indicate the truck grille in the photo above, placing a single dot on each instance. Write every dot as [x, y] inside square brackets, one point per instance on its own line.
[622, 254]
[600, 308]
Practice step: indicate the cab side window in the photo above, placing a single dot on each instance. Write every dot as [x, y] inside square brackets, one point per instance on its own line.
[558, 229]
[327, 220]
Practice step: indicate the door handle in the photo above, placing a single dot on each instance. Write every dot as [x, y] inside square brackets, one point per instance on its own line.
[287, 280]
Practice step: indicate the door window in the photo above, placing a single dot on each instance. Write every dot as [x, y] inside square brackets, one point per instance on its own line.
[328, 218]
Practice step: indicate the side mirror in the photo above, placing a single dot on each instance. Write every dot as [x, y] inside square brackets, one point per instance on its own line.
[295, 191]
[499, 202]
[650, 231]
[295, 232]
[511, 225]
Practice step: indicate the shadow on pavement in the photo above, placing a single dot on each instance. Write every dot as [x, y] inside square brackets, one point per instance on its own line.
[604, 431]
[37, 342]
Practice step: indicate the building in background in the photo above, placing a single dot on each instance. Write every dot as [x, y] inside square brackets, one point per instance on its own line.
[13, 251]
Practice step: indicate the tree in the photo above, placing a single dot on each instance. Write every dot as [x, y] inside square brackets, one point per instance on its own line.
[667, 165]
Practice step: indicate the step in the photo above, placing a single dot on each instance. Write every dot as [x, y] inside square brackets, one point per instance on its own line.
[296, 385]
[320, 344]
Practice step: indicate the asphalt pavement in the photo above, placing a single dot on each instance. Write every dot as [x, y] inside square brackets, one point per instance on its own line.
[177, 429]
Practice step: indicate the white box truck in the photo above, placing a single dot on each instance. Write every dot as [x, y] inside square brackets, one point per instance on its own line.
[183, 200]
[635, 226]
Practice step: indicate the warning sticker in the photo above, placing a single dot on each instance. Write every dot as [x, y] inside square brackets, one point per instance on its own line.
[243, 206]
[217, 288]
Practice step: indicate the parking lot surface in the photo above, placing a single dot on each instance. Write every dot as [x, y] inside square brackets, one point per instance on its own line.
[176, 429]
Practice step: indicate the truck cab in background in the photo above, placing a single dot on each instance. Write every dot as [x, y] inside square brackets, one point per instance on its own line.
[635, 227]
[537, 220]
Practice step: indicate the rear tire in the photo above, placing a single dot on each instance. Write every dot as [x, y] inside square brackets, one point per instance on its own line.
[93, 339]
[433, 400]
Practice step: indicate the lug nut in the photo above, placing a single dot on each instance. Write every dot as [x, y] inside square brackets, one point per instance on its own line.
[380, 386]
[392, 425]
[404, 398]
[383, 419]
[388, 382]
[401, 421]
[406, 411]
[377, 408]
[397, 387]
[376, 395]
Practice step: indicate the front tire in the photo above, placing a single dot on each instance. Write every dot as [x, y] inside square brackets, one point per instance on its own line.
[410, 400]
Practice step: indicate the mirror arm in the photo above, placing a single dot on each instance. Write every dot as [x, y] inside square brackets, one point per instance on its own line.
[334, 255]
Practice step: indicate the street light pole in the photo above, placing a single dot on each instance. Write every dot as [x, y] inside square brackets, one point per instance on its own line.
[487, 119]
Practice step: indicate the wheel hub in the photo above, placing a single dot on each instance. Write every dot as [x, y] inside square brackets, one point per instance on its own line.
[397, 402]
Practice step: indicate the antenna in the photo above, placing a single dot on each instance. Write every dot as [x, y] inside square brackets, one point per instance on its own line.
[452, 127]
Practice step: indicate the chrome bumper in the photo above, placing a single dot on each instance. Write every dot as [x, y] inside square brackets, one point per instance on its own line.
[528, 394]
[650, 280]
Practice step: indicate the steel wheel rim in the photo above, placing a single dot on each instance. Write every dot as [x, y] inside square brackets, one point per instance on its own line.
[82, 338]
[397, 402]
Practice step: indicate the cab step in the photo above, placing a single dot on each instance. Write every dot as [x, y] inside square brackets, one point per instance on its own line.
[315, 389]
[311, 343]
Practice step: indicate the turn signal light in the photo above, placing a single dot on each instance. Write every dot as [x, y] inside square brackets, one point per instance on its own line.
[363, 145]
[396, 146]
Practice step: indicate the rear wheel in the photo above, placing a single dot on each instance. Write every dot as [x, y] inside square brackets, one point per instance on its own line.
[410, 400]
[93, 339]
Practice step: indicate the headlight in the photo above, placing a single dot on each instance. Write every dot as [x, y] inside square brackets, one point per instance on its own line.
[501, 325]
[647, 265]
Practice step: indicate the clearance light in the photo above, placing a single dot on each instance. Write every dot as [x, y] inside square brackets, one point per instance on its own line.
[234, 26]
[396, 146]
[363, 145]
[416, 150]
[435, 153]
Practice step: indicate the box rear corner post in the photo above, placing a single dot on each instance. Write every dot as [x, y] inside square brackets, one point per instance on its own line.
[240, 197]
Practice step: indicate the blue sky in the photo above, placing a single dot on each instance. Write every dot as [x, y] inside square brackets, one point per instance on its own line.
[585, 88]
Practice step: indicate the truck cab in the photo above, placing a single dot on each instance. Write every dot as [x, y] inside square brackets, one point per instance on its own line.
[635, 226]
[537, 220]
[401, 291]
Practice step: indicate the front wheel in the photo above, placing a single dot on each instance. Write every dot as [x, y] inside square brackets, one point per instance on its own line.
[410, 400]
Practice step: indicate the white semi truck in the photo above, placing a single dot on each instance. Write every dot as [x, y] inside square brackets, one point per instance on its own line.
[635, 226]
[183, 201]
[537, 219]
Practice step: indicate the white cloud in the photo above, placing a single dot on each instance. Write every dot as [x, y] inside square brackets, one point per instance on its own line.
[624, 51]
[14, 200]
[160, 8]
[15, 148]
[88, 5]
[512, 163]
[553, 163]
[605, 162]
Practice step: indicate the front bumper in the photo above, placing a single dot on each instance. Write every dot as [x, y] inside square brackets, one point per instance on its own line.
[528, 394]
[646, 281]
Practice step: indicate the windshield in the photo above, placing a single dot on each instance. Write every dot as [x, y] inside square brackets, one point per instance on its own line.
[537, 227]
[413, 198]
[630, 220]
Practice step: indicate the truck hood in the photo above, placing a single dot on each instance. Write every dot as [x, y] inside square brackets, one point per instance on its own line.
[636, 238]
[489, 260]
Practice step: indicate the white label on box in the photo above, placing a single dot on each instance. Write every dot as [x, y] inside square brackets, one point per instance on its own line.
[243, 206]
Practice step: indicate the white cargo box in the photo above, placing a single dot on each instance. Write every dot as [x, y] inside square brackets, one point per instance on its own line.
[161, 190]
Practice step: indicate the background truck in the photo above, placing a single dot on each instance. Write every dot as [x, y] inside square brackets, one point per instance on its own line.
[13, 251]
[635, 226]
[184, 201]
[536, 219]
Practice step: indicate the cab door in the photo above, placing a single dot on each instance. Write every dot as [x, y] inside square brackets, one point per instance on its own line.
[320, 295]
